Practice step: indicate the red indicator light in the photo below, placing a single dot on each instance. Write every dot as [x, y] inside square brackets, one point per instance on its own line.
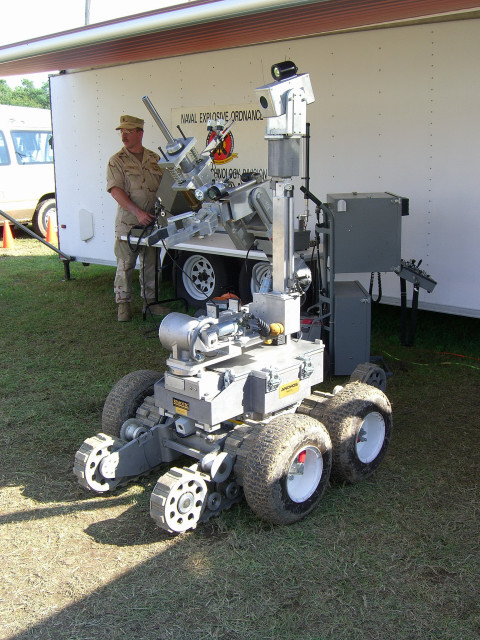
[301, 457]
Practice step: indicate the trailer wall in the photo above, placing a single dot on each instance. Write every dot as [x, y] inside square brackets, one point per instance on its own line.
[396, 110]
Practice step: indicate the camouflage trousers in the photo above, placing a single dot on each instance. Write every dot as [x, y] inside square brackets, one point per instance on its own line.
[126, 261]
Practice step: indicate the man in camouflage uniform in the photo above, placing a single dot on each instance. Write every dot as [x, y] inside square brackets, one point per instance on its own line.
[133, 177]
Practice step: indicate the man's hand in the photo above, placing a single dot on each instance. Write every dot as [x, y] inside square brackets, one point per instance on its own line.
[143, 217]
[124, 201]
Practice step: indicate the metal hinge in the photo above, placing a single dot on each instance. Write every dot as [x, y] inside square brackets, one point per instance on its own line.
[306, 368]
[273, 379]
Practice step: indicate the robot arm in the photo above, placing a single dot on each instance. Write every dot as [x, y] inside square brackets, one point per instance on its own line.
[184, 226]
[245, 211]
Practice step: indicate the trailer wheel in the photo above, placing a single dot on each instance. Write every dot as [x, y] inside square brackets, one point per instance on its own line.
[250, 279]
[198, 278]
[287, 471]
[359, 421]
[42, 213]
[125, 397]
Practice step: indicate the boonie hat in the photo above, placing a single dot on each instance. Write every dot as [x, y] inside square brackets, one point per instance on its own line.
[130, 122]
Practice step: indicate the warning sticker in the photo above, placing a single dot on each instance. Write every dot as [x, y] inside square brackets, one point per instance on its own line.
[181, 406]
[288, 388]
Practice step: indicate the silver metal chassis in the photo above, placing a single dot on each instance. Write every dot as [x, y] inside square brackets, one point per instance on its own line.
[255, 384]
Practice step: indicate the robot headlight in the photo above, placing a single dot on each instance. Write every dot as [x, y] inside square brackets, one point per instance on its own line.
[210, 192]
[302, 274]
[216, 191]
[283, 70]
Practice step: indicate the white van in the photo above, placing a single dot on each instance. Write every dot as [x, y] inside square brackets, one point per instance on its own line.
[27, 182]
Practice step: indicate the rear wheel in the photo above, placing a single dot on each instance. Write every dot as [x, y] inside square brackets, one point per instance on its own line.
[250, 279]
[359, 421]
[125, 398]
[288, 468]
[371, 374]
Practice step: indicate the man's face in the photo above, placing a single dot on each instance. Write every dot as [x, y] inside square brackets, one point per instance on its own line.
[132, 139]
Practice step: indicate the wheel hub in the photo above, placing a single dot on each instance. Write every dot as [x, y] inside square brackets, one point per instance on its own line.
[370, 437]
[202, 277]
[185, 502]
[199, 276]
[304, 474]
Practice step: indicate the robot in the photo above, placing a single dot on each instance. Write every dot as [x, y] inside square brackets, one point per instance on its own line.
[235, 414]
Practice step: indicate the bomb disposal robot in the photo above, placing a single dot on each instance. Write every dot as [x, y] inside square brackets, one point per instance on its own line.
[236, 399]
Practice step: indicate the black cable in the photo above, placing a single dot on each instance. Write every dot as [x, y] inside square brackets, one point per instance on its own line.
[403, 306]
[379, 279]
[407, 332]
[317, 247]
[140, 237]
[413, 319]
[254, 243]
[263, 328]
[138, 248]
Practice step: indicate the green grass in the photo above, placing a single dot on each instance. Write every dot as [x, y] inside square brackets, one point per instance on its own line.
[396, 557]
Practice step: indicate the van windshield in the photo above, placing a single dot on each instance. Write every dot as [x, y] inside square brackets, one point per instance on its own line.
[33, 147]
[4, 158]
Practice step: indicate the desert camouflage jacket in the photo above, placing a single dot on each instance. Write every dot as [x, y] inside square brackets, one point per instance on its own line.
[139, 180]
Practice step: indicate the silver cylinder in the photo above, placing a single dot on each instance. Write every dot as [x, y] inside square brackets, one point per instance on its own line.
[159, 122]
[175, 329]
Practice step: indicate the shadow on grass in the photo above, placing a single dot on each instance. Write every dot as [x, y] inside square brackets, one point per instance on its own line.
[333, 575]
[33, 515]
[146, 593]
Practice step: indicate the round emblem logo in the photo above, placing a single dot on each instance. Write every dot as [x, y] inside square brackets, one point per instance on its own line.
[224, 152]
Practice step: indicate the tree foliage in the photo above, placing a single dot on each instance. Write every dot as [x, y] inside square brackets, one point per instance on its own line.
[25, 95]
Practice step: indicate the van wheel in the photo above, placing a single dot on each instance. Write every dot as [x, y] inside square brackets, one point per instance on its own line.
[42, 213]
[198, 278]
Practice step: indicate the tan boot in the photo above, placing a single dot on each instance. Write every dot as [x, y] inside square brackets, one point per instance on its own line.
[156, 309]
[124, 312]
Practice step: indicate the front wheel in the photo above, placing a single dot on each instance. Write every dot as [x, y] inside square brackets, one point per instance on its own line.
[288, 468]
[199, 278]
[359, 421]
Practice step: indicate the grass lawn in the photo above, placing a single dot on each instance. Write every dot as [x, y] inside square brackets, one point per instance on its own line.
[394, 558]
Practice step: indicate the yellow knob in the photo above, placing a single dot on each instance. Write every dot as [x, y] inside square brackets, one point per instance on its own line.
[276, 328]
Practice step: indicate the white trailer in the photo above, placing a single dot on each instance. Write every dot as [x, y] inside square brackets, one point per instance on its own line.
[394, 112]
